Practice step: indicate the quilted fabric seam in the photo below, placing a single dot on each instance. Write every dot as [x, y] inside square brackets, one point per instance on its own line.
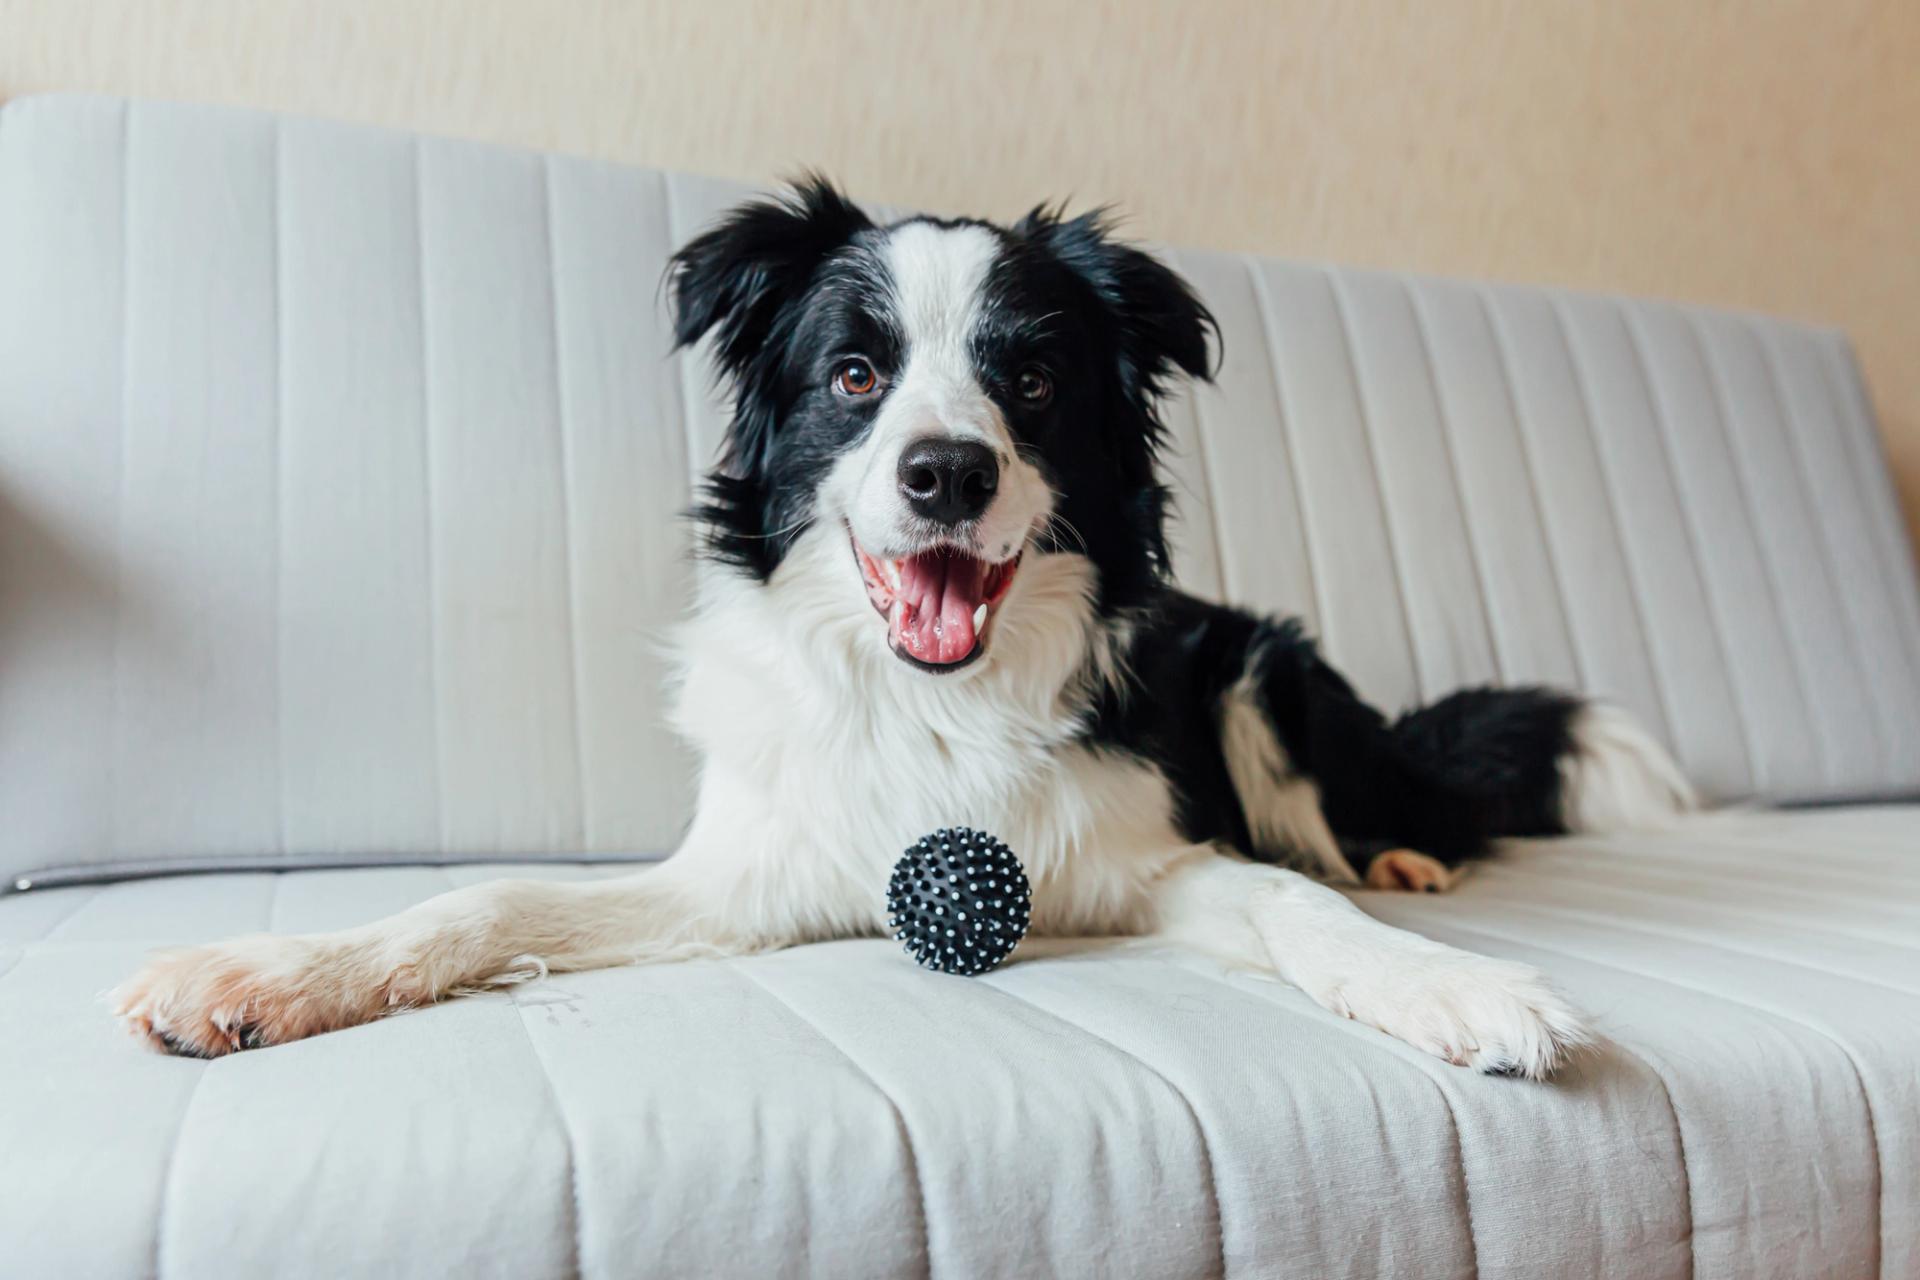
[559, 1112]
[1663, 431]
[1797, 661]
[1453, 1119]
[1867, 460]
[1836, 883]
[1199, 1128]
[1614, 923]
[273, 902]
[1459, 1163]
[1263, 307]
[427, 502]
[1890, 577]
[1686, 1171]
[899, 1117]
[1657, 1069]
[179, 1140]
[1475, 552]
[1396, 559]
[1822, 538]
[85, 901]
[116, 696]
[1781, 844]
[1906, 654]
[567, 539]
[566, 1131]
[1859, 1077]
[1504, 359]
[173, 1165]
[1629, 890]
[1707, 859]
[280, 479]
[1610, 491]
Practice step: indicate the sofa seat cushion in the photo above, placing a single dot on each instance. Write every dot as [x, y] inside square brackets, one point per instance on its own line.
[1094, 1108]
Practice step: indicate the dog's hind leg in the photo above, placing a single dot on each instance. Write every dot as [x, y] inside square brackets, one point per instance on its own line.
[1420, 794]
[1411, 871]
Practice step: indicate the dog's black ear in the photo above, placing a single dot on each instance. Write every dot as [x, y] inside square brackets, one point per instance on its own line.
[1163, 326]
[735, 278]
[736, 281]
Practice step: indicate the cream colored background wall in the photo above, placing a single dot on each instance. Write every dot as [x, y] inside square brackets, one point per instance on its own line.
[1762, 154]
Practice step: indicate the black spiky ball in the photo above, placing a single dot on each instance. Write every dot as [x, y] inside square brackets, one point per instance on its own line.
[959, 901]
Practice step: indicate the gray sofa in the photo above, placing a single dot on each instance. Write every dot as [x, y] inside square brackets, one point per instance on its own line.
[338, 473]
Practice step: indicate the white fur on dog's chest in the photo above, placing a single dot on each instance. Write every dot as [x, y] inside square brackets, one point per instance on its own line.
[825, 756]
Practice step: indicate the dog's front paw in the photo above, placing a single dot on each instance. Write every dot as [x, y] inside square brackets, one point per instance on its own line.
[1496, 1016]
[204, 1002]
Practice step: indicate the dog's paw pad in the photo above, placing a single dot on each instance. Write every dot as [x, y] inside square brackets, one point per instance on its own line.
[1409, 871]
[207, 1002]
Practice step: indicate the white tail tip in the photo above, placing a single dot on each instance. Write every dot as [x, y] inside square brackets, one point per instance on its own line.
[1617, 777]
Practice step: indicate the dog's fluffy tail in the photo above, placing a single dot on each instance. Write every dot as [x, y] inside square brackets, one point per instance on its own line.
[1532, 761]
[1614, 776]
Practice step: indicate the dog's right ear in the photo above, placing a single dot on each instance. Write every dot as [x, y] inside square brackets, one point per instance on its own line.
[735, 278]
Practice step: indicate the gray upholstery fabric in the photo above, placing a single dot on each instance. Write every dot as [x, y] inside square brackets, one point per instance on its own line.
[834, 1111]
[338, 473]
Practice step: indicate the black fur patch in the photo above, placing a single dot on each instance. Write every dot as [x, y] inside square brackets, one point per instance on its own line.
[783, 285]
[1445, 780]
[1115, 325]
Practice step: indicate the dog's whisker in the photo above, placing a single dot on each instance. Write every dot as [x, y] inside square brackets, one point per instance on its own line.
[796, 527]
[1057, 519]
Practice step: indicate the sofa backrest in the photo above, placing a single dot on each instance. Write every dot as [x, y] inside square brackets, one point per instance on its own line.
[339, 473]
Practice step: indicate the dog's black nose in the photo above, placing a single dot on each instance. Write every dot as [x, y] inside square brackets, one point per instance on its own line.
[948, 480]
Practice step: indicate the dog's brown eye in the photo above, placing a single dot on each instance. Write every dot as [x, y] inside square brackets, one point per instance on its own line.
[856, 378]
[1033, 386]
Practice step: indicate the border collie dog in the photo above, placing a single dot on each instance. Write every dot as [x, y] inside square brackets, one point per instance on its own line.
[936, 592]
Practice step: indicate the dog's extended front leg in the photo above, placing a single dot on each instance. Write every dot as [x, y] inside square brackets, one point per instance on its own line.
[267, 989]
[1495, 1015]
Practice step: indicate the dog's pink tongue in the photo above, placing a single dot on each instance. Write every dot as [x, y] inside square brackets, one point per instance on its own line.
[939, 592]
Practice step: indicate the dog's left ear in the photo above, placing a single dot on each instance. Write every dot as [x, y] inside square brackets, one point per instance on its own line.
[1163, 325]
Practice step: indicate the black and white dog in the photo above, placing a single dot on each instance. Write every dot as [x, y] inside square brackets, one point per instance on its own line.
[937, 593]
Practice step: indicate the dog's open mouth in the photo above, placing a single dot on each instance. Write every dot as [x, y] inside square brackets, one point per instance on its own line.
[938, 603]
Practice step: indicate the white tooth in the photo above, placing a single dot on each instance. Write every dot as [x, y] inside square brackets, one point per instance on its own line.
[979, 617]
[893, 573]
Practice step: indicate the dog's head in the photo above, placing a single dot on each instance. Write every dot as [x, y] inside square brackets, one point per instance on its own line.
[955, 395]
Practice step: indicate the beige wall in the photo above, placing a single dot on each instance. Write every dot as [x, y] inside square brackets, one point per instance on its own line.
[1762, 154]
